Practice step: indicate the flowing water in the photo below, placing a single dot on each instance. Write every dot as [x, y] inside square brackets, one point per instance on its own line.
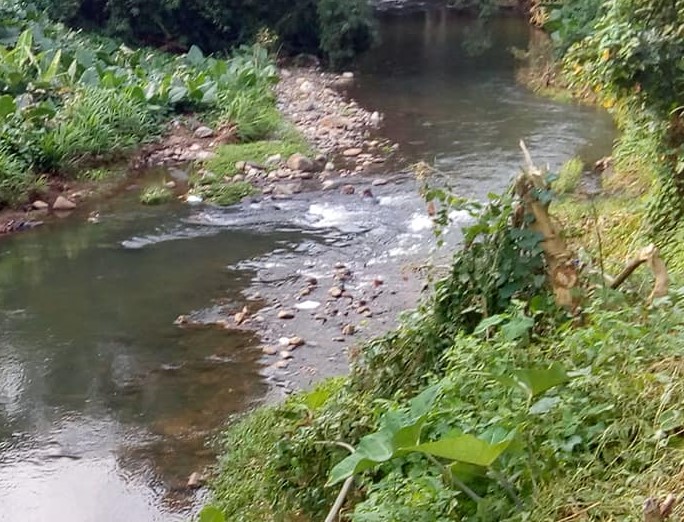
[106, 406]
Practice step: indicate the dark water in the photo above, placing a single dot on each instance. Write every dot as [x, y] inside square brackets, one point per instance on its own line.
[105, 405]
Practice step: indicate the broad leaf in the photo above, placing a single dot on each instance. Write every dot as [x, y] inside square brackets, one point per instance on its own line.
[422, 403]
[465, 448]
[487, 323]
[7, 106]
[535, 381]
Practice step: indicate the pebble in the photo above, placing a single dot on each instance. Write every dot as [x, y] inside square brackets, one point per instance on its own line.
[348, 329]
[328, 184]
[335, 292]
[203, 132]
[285, 354]
[170, 184]
[350, 153]
[295, 341]
[283, 363]
[39, 205]
[194, 481]
[284, 341]
[269, 350]
[286, 314]
[347, 190]
[307, 305]
[378, 182]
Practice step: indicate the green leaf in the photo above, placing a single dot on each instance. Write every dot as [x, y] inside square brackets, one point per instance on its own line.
[517, 328]
[465, 448]
[422, 403]
[177, 93]
[317, 398]
[487, 323]
[544, 405]
[535, 381]
[7, 106]
[53, 68]
[195, 56]
[211, 514]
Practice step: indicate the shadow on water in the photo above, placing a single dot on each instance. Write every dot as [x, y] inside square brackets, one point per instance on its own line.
[105, 405]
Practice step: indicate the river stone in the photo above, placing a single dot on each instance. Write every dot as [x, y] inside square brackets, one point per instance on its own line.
[195, 481]
[203, 132]
[269, 350]
[295, 341]
[347, 190]
[328, 184]
[350, 153]
[348, 329]
[62, 203]
[300, 162]
[287, 189]
[329, 167]
[286, 354]
[274, 160]
[335, 292]
[284, 363]
[348, 74]
[286, 314]
[375, 118]
[306, 87]
[205, 155]
[39, 205]
[378, 182]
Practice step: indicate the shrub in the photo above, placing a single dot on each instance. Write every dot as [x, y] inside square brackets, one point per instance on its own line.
[569, 176]
[15, 179]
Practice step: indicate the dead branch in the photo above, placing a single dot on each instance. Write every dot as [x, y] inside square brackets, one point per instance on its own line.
[650, 255]
[655, 511]
[561, 271]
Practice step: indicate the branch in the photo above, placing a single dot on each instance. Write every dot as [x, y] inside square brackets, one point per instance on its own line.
[342, 495]
[650, 255]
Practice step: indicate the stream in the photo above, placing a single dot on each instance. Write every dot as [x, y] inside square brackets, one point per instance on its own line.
[106, 406]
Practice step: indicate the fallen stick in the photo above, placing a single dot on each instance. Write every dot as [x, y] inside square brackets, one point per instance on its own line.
[650, 255]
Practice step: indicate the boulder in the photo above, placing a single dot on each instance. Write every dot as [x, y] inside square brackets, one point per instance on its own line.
[62, 203]
[300, 162]
[203, 132]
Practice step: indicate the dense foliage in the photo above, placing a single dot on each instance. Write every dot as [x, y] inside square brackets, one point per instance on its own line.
[336, 29]
[631, 54]
[488, 403]
[67, 98]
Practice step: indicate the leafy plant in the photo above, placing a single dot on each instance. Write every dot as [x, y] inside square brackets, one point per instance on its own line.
[156, 195]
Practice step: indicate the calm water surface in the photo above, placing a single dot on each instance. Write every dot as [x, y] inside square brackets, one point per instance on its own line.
[105, 405]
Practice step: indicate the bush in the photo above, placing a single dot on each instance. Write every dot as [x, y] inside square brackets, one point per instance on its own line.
[15, 179]
[336, 30]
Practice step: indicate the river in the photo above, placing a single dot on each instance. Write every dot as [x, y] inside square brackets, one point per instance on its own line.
[106, 406]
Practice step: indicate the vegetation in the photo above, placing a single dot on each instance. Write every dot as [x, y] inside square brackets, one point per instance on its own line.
[488, 403]
[156, 195]
[337, 30]
[68, 99]
[225, 163]
[569, 176]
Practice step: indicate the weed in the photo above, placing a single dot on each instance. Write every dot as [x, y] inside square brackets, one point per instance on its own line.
[569, 176]
[223, 193]
[156, 195]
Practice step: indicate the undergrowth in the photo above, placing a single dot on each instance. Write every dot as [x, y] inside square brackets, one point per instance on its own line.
[488, 403]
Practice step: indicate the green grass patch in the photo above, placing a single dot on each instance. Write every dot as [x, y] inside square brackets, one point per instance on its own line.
[156, 195]
[221, 192]
[227, 156]
[569, 176]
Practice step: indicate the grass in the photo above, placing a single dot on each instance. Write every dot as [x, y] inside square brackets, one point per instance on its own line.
[221, 192]
[569, 176]
[227, 156]
[156, 195]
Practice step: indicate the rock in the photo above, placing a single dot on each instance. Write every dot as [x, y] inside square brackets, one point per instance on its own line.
[328, 184]
[347, 190]
[307, 305]
[170, 184]
[241, 316]
[305, 291]
[287, 189]
[283, 363]
[195, 481]
[39, 205]
[350, 153]
[240, 166]
[306, 87]
[62, 203]
[286, 354]
[193, 199]
[274, 160]
[203, 132]
[296, 341]
[378, 182]
[204, 155]
[300, 162]
[306, 175]
[329, 167]
[348, 329]
[336, 292]
[335, 122]
[375, 118]
[269, 350]
[312, 281]
[195, 147]
[286, 314]
[348, 75]
[377, 281]
[284, 341]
